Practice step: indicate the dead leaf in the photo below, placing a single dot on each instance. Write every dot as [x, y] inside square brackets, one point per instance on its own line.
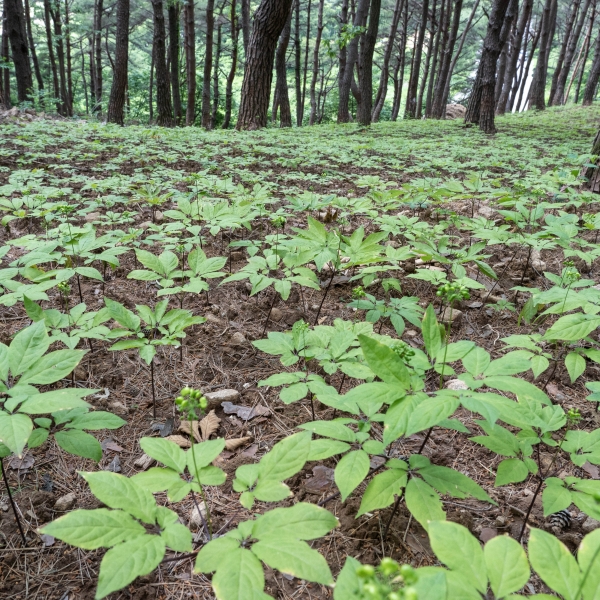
[487, 533]
[591, 470]
[243, 412]
[180, 441]
[209, 425]
[110, 444]
[250, 452]
[322, 480]
[236, 443]
[185, 427]
[21, 464]
[115, 465]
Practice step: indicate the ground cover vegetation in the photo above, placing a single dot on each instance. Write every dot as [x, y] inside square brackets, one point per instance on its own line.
[325, 362]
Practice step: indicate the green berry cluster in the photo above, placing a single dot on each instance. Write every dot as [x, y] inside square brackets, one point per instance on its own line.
[358, 292]
[388, 581]
[189, 401]
[278, 222]
[452, 292]
[573, 416]
[63, 287]
[402, 350]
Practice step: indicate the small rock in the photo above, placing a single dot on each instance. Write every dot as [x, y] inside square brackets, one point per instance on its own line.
[451, 315]
[485, 211]
[457, 384]
[144, 462]
[215, 398]
[118, 406]
[276, 315]
[536, 261]
[158, 217]
[237, 256]
[47, 540]
[196, 515]
[66, 502]
[590, 525]
[237, 339]
[410, 333]
[291, 316]
[145, 224]
[115, 465]
[91, 217]
[501, 521]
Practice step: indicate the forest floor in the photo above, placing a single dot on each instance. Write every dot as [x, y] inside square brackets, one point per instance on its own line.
[98, 169]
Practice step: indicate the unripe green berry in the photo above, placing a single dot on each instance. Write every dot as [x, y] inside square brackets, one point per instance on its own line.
[365, 571]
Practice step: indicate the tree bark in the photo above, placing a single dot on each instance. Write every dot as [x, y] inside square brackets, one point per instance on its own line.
[83, 79]
[410, 112]
[586, 53]
[97, 49]
[428, 55]
[367, 49]
[116, 102]
[34, 58]
[174, 10]
[385, 68]
[592, 174]
[594, 76]
[482, 105]
[151, 87]
[360, 19]
[235, 31]
[208, 60]
[523, 82]
[537, 91]
[343, 54]
[559, 94]
[164, 107]
[513, 57]
[563, 49]
[579, 57]
[69, 58]
[215, 82]
[17, 36]
[60, 54]
[281, 99]
[438, 110]
[314, 106]
[5, 58]
[190, 61]
[269, 20]
[304, 74]
[455, 58]
[441, 39]
[398, 76]
[246, 25]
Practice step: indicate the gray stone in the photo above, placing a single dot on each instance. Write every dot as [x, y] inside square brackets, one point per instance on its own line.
[276, 315]
[196, 515]
[237, 339]
[144, 462]
[457, 384]
[451, 315]
[66, 502]
[215, 398]
[158, 216]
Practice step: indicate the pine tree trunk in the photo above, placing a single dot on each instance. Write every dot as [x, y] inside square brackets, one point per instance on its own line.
[559, 94]
[4, 55]
[190, 61]
[438, 110]
[98, 56]
[69, 58]
[17, 36]
[281, 99]
[398, 76]
[297, 63]
[592, 174]
[305, 72]
[343, 53]
[455, 58]
[385, 69]
[513, 57]
[60, 54]
[424, 78]
[174, 14]
[525, 76]
[34, 58]
[269, 20]
[235, 30]
[586, 53]
[410, 111]
[563, 50]
[441, 31]
[367, 49]
[151, 88]
[116, 102]
[164, 107]
[537, 91]
[83, 78]
[579, 57]
[594, 76]
[360, 20]
[208, 60]
[314, 107]
[215, 82]
[482, 103]
[246, 25]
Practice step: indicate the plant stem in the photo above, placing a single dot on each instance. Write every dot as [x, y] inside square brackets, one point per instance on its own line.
[537, 491]
[153, 392]
[12, 502]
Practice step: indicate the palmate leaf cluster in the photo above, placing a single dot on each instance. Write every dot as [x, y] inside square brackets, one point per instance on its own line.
[384, 390]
